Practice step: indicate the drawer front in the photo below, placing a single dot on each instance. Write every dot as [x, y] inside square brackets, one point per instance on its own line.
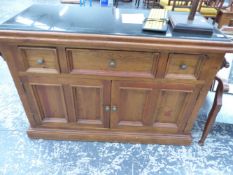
[228, 15]
[184, 66]
[112, 63]
[41, 60]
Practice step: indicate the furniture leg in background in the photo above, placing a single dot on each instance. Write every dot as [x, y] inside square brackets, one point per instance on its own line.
[217, 104]
[214, 111]
[137, 2]
[115, 3]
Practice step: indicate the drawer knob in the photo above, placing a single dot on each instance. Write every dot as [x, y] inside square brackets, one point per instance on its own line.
[183, 66]
[114, 108]
[112, 63]
[107, 108]
[40, 61]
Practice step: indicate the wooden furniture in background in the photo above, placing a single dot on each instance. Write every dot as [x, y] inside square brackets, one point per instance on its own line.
[222, 86]
[225, 16]
[228, 30]
[148, 3]
[231, 22]
[151, 3]
[178, 5]
[217, 104]
[208, 8]
[164, 3]
[98, 87]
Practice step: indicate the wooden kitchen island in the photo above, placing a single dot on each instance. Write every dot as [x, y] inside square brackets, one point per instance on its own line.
[86, 74]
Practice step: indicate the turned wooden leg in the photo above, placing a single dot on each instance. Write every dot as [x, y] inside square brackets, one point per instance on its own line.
[214, 110]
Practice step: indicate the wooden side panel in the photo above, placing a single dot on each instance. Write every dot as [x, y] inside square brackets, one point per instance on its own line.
[9, 53]
[90, 99]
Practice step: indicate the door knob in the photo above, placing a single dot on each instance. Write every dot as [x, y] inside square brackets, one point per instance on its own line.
[183, 66]
[114, 108]
[40, 61]
[107, 108]
[112, 63]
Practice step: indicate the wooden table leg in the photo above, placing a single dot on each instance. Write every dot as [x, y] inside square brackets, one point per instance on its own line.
[214, 110]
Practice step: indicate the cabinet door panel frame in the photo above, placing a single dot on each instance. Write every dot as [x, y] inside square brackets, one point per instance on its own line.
[148, 96]
[104, 97]
[37, 106]
[188, 93]
[180, 114]
[146, 109]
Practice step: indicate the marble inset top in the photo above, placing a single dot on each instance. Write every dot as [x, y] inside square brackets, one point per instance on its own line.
[93, 20]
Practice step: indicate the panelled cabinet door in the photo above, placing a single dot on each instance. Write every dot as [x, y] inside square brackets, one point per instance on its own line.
[91, 102]
[47, 100]
[175, 103]
[73, 103]
[163, 107]
[131, 104]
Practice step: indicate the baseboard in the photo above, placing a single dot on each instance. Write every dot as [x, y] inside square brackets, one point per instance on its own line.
[110, 136]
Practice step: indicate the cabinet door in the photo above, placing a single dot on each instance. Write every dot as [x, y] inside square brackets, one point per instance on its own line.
[91, 102]
[164, 107]
[47, 100]
[69, 103]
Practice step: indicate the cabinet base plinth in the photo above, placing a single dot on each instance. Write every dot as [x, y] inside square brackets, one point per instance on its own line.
[110, 136]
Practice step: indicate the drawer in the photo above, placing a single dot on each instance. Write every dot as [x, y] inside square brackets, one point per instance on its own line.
[112, 62]
[41, 60]
[228, 15]
[184, 66]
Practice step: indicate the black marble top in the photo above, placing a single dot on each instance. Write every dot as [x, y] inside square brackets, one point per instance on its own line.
[92, 20]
